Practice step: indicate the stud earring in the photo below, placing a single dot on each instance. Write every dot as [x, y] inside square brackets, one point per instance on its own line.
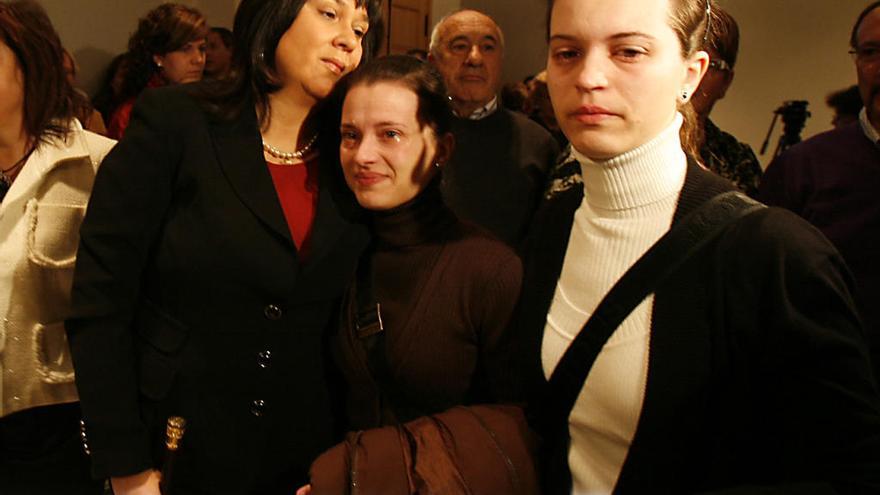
[436, 164]
[684, 95]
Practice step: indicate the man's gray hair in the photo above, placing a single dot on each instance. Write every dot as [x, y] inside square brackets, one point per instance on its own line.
[434, 44]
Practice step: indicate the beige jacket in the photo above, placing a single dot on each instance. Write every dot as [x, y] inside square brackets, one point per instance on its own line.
[39, 233]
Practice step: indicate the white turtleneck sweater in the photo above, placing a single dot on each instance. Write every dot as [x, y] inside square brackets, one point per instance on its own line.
[629, 201]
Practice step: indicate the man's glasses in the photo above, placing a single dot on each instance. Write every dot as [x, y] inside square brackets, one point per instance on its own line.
[868, 54]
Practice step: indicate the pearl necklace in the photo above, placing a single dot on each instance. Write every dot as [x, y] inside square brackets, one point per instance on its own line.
[288, 157]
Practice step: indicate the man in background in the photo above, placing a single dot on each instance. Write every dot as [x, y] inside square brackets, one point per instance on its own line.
[497, 173]
[833, 180]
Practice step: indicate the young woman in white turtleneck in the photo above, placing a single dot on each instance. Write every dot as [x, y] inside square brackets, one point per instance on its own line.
[628, 205]
[620, 75]
[616, 96]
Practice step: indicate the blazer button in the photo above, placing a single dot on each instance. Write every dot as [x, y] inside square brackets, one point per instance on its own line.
[264, 358]
[84, 437]
[272, 312]
[258, 407]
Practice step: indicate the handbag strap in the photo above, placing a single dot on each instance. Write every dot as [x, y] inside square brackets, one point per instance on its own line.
[662, 260]
[370, 331]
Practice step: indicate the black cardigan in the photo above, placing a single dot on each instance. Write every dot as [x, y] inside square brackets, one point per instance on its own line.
[190, 300]
[758, 372]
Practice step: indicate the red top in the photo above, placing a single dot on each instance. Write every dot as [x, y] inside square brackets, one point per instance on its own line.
[121, 115]
[297, 188]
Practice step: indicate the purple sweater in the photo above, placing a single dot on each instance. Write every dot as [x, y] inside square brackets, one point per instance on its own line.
[833, 181]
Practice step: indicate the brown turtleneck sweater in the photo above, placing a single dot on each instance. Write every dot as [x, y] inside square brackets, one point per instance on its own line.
[447, 291]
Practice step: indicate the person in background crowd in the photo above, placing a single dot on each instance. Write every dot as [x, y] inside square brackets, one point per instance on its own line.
[513, 96]
[217, 244]
[540, 109]
[831, 180]
[89, 117]
[218, 53]
[109, 93]
[47, 166]
[745, 371]
[167, 48]
[846, 103]
[418, 53]
[721, 152]
[497, 172]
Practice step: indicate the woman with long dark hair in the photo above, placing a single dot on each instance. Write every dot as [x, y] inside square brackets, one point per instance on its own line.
[47, 166]
[215, 249]
[741, 366]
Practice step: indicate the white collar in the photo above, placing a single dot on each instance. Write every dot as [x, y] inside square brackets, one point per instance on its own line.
[47, 155]
[484, 111]
[868, 128]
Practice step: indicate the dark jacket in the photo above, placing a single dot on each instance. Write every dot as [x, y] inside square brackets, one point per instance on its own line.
[758, 372]
[191, 300]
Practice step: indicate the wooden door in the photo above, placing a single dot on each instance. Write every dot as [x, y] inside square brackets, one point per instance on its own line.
[406, 24]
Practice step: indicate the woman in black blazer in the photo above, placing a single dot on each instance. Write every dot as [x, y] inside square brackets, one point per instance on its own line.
[743, 372]
[211, 263]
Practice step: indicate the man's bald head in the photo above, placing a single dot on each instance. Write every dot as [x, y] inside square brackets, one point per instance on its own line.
[467, 47]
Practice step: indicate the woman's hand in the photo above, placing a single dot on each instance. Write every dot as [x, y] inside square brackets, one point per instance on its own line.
[143, 483]
[305, 490]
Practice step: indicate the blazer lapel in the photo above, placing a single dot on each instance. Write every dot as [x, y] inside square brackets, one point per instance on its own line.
[239, 152]
[334, 213]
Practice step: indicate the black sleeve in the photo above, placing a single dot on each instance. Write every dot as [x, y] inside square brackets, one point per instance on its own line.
[132, 192]
[809, 357]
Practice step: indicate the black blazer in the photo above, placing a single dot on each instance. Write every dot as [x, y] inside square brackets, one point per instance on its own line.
[191, 299]
[758, 372]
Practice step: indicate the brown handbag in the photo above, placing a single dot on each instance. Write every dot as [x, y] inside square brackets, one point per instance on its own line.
[478, 450]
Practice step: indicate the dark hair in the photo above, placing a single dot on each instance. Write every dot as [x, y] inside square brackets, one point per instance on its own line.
[853, 38]
[689, 20]
[257, 29]
[107, 97]
[50, 102]
[724, 35]
[166, 28]
[225, 36]
[422, 79]
[847, 101]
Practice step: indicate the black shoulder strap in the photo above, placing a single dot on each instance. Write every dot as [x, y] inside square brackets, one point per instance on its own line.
[370, 332]
[663, 259]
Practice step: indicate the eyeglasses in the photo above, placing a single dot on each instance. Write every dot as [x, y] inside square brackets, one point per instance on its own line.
[720, 65]
[866, 54]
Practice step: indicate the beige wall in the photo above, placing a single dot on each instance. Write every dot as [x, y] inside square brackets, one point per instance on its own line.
[440, 8]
